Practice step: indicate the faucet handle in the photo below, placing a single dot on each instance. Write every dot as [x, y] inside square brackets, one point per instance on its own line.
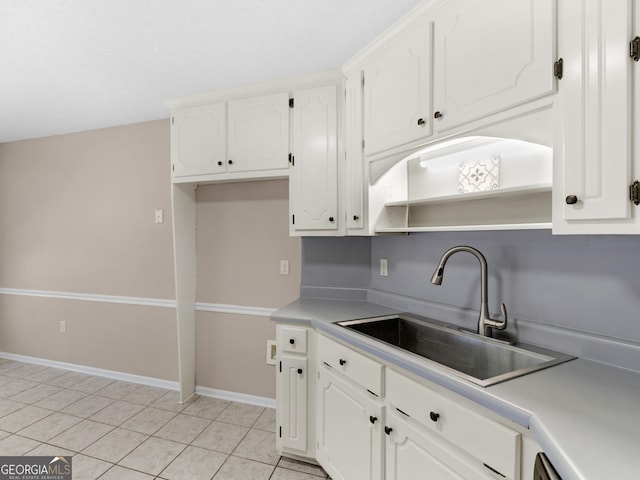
[503, 324]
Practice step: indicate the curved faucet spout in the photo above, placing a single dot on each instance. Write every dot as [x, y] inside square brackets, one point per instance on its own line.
[485, 322]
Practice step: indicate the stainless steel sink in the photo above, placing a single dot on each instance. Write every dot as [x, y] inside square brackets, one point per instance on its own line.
[481, 360]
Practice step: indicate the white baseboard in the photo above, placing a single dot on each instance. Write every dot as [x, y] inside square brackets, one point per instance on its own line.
[237, 397]
[100, 372]
[142, 380]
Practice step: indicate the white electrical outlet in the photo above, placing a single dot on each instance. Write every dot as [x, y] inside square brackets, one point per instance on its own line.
[384, 267]
[63, 326]
[271, 352]
[284, 267]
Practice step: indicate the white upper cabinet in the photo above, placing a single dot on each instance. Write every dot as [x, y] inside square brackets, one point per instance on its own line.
[397, 91]
[313, 185]
[241, 139]
[198, 140]
[259, 133]
[489, 56]
[356, 182]
[594, 166]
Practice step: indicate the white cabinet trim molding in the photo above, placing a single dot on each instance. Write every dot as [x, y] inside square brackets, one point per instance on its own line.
[142, 301]
[235, 309]
[91, 297]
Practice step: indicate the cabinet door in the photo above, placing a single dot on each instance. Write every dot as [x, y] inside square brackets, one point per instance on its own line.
[490, 55]
[414, 455]
[349, 430]
[593, 155]
[259, 133]
[198, 141]
[314, 171]
[293, 395]
[355, 179]
[397, 91]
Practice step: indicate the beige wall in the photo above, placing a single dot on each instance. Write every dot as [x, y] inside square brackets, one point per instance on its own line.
[124, 338]
[242, 234]
[77, 215]
[77, 212]
[231, 353]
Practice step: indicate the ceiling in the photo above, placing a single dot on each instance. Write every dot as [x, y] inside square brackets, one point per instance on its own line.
[73, 65]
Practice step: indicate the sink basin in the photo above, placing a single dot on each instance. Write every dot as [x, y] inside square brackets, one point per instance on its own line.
[481, 360]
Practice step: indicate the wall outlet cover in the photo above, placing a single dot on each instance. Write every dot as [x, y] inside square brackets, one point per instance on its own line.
[271, 352]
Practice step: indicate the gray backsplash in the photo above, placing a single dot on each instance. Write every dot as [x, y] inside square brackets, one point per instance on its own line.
[577, 294]
[336, 267]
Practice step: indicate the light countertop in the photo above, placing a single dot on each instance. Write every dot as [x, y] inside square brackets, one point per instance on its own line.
[585, 415]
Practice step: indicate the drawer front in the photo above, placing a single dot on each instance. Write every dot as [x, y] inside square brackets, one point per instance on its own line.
[492, 443]
[293, 339]
[355, 366]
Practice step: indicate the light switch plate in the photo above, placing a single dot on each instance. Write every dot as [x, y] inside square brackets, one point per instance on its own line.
[384, 267]
[284, 267]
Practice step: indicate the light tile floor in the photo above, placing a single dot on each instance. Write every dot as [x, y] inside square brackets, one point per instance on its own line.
[120, 430]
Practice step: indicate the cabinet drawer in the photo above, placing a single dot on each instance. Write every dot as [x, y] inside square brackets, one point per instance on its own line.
[355, 366]
[491, 442]
[293, 339]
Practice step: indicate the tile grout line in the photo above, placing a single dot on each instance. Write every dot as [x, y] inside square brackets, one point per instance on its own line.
[154, 434]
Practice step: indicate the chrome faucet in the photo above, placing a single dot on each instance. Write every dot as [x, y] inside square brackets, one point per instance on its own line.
[485, 322]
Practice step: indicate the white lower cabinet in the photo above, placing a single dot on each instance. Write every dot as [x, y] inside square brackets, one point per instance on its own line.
[477, 443]
[349, 422]
[293, 428]
[294, 423]
[411, 454]
[367, 421]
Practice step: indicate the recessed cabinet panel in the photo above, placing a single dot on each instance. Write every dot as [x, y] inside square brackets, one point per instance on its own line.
[259, 133]
[294, 402]
[488, 441]
[595, 114]
[397, 91]
[314, 170]
[415, 455]
[490, 55]
[198, 141]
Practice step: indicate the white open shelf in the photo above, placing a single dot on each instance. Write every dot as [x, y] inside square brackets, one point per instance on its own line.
[467, 228]
[465, 197]
[431, 202]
